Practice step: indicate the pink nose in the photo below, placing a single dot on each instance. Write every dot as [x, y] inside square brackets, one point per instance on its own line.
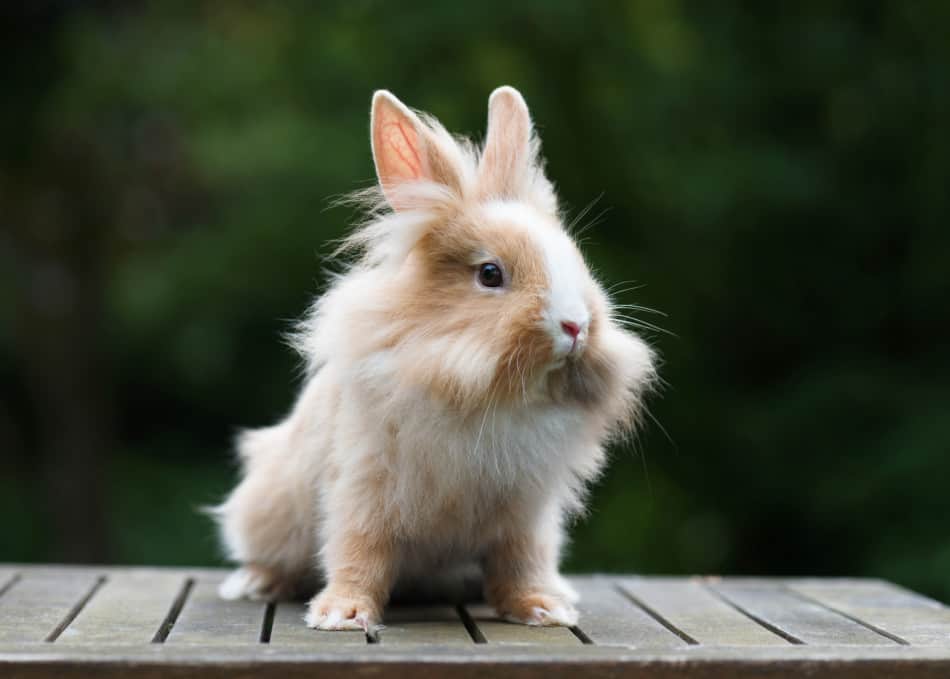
[571, 328]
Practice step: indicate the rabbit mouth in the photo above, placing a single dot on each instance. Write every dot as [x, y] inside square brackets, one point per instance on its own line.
[573, 355]
[569, 349]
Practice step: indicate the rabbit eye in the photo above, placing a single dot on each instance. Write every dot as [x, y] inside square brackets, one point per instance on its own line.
[490, 276]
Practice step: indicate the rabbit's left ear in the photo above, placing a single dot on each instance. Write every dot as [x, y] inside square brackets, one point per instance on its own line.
[507, 155]
[405, 150]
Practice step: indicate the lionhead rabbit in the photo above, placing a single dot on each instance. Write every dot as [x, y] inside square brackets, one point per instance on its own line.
[464, 376]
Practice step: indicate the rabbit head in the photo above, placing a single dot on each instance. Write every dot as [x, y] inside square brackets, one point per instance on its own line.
[469, 281]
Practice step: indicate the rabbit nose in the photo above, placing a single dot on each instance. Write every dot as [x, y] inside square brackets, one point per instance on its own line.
[571, 328]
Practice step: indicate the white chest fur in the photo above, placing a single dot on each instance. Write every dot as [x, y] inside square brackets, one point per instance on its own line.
[450, 477]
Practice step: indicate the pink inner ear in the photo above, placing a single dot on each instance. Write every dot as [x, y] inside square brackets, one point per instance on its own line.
[400, 157]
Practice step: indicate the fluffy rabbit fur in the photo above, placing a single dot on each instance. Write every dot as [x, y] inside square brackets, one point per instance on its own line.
[453, 412]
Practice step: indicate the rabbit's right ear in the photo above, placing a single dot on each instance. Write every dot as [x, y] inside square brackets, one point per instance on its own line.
[405, 150]
[507, 154]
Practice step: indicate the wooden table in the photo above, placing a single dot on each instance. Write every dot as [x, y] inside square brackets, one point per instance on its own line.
[150, 622]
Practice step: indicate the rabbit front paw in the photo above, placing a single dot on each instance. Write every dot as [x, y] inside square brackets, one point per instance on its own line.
[335, 609]
[538, 608]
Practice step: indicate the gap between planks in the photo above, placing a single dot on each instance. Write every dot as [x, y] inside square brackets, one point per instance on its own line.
[75, 610]
[470, 625]
[161, 634]
[774, 629]
[267, 624]
[655, 615]
[874, 628]
[11, 581]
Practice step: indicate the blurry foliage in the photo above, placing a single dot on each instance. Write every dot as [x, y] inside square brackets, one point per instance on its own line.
[773, 178]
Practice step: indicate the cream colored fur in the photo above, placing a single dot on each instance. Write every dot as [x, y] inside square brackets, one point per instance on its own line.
[441, 423]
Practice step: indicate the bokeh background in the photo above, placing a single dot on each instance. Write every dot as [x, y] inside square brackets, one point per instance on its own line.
[773, 178]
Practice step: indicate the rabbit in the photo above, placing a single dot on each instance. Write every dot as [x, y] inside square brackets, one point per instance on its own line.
[463, 377]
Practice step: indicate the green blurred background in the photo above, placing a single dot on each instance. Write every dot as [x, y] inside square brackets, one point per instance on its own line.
[774, 177]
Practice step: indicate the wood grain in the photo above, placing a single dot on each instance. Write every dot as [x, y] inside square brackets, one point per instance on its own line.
[909, 617]
[423, 625]
[421, 662]
[803, 620]
[500, 632]
[630, 626]
[33, 607]
[699, 615]
[208, 620]
[128, 609]
[609, 618]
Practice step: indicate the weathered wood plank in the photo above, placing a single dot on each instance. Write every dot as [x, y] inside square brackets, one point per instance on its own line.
[129, 608]
[289, 630]
[111, 633]
[67, 570]
[432, 662]
[503, 633]
[423, 625]
[686, 654]
[209, 620]
[909, 617]
[804, 621]
[36, 604]
[699, 616]
[609, 618]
